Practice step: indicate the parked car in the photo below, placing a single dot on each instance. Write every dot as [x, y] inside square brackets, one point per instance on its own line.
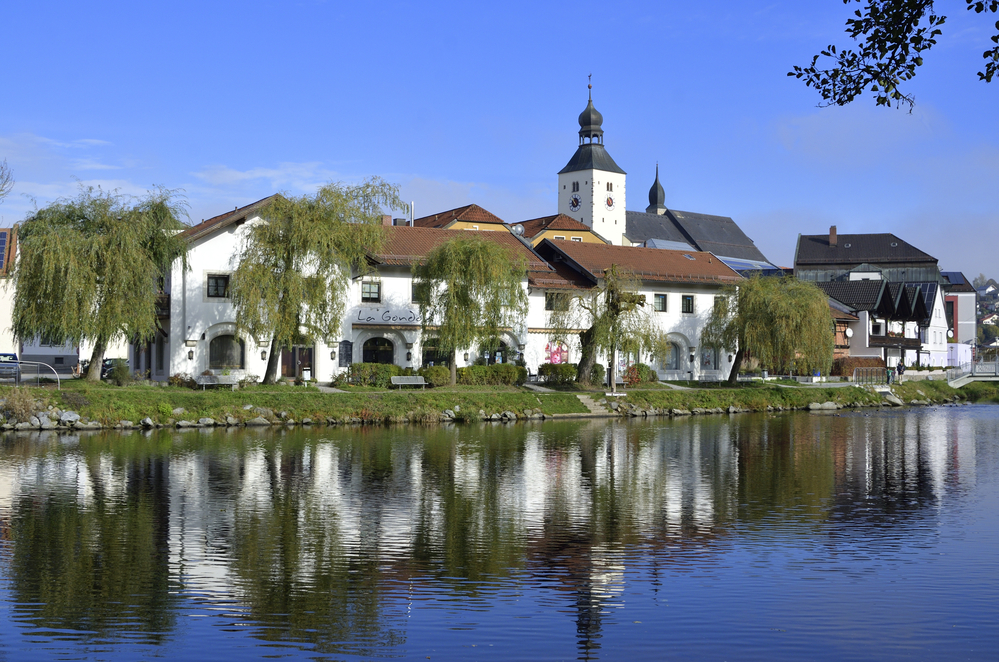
[109, 364]
[9, 367]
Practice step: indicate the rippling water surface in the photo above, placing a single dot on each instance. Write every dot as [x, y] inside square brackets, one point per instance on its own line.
[871, 535]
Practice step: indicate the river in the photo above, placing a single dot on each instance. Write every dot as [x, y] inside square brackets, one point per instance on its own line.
[868, 535]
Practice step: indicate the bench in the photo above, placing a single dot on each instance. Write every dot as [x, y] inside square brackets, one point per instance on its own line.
[204, 381]
[414, 380]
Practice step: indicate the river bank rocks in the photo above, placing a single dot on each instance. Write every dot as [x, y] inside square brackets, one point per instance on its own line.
[32, 415]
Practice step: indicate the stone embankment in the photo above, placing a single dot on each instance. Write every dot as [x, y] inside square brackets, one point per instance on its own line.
[50, 417]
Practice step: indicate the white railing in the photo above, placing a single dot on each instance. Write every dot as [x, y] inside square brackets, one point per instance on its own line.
[37, 365]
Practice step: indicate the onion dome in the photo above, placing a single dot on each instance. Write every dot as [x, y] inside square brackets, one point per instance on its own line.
[657, 197]
[590, 120]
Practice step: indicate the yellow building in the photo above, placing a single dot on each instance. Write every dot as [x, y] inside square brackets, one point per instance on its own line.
[558, 227]
[469, 217]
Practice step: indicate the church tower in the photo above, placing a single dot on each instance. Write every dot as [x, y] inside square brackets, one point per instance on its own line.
[591, 187]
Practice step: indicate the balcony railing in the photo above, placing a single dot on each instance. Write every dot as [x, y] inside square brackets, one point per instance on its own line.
[163, 305]
[895, 341]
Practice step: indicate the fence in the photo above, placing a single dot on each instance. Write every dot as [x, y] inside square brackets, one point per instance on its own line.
[29, 371]
[870, 376]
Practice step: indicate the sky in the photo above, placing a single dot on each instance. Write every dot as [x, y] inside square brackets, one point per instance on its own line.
[458, 103]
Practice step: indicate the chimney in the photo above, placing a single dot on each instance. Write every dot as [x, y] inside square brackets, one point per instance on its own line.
[832, 236]
[386, 219]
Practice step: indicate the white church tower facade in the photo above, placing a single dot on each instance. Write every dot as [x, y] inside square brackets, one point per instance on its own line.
[591, 187]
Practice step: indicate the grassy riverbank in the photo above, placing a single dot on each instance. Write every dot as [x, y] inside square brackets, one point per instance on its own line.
[109, 405]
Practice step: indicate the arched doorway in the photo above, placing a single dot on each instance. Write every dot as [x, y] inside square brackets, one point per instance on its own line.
[499, 354]
[226, 352]
[432, 356]
[378, 350]
[673, 358]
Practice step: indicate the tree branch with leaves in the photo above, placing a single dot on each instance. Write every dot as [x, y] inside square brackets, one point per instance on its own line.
[612, 317]
[470, 290]
[893, 35]
[89, 268]
[784, 323]
[294, 268]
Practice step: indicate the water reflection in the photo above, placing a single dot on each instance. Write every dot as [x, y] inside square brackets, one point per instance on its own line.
[330, 539]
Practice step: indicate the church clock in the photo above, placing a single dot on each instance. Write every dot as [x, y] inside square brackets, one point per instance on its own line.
[575, 202]
[609, 202]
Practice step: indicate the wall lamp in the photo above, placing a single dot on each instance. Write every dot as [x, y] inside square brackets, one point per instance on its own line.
[409, 356]
[263, 355]
[190, 355]
[333, 355]
[466, 357]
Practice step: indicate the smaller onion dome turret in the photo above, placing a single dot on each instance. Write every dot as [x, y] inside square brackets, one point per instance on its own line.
[657, 197]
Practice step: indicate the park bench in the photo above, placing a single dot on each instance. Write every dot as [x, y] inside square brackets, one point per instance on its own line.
[413, 380]
[204, 381]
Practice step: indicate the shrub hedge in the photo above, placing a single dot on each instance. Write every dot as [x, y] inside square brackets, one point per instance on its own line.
[438, 375]
[557, 373]
[373, 374]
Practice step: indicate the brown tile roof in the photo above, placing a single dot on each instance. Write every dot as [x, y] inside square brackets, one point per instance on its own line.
[650, 264]
[555, 222]
[468, 213]
[406, 245]
[221, 221]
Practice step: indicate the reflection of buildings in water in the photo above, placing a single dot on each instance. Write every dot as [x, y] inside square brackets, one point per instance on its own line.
[902, 461]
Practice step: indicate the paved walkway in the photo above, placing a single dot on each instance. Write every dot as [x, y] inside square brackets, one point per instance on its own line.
[539, 389]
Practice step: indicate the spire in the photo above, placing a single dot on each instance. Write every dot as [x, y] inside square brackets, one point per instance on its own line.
[590, 120]
[657, 197]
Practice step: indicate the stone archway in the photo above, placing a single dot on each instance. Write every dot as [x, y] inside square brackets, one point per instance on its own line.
[378, 350]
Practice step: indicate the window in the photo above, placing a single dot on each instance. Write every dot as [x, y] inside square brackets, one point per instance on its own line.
[575, 187]
[218, 286]
[610, 187]
[371, 292]
[225, 352]
[576, 238]
[556, 301]
[415, 295]
[660, 303]
[709, 358]
[559, 237]
[687, 303]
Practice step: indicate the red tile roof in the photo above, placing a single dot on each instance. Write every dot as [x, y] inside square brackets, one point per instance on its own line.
[468, 213]
[224, 220]
[555, 222]
[406, 245]
[650, 264]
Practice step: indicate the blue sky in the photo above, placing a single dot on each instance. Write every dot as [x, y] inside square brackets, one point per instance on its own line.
[476, 102]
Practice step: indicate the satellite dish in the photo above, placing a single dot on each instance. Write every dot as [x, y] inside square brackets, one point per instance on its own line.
[849, 333]
[517, 230]
[950, 333]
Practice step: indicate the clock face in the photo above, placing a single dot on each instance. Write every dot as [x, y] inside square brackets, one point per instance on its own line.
[609, 202]
[575, 202]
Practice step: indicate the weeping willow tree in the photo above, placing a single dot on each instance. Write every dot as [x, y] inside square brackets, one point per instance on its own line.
[784, 323]
[294, 269]
[89, 268]
[612, 317]
[470, 289]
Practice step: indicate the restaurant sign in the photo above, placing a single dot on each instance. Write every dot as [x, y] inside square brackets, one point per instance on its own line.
[386, 316]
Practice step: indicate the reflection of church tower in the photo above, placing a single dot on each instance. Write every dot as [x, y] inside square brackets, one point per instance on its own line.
[657, 197]
[591, 187]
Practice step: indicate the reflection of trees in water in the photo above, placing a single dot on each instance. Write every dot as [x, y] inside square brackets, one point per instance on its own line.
[298, 572]
[101, 569]
[315, 535]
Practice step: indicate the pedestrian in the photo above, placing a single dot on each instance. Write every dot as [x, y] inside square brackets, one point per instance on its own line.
[901, 371]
